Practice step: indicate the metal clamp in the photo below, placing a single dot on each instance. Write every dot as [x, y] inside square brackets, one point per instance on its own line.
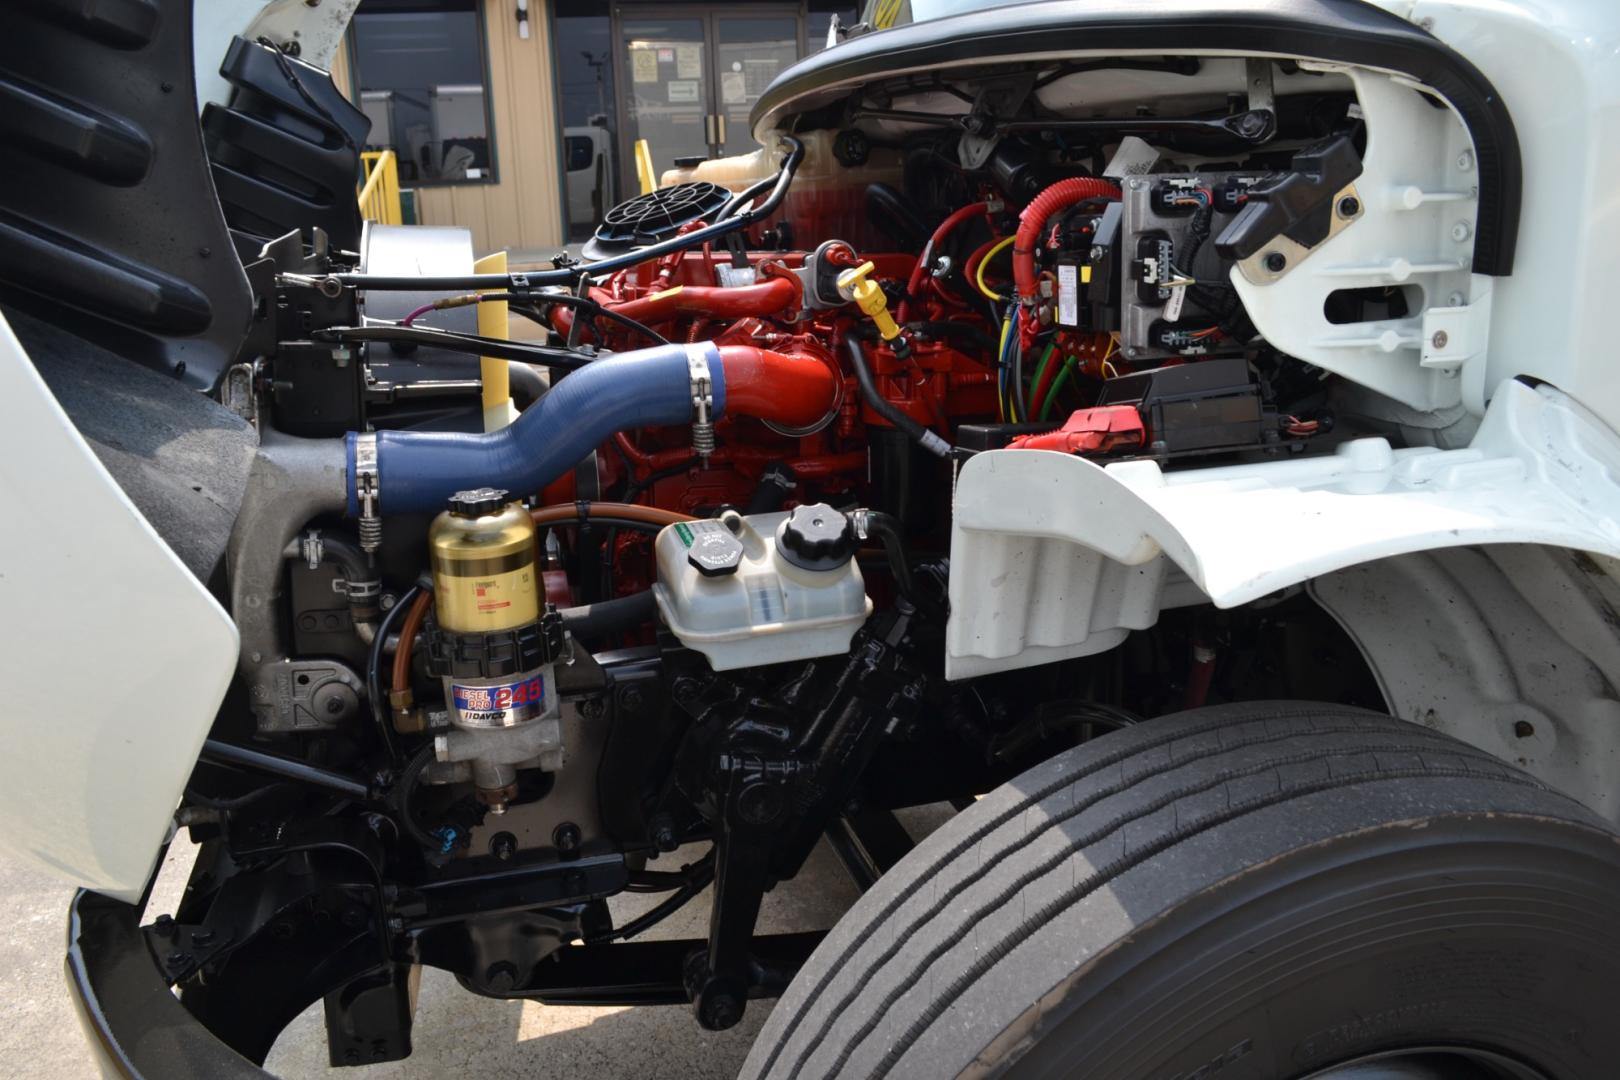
[368, 489]
[697, 368]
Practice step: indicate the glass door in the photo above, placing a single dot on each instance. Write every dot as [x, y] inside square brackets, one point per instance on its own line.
[691, 76]
[667, 97]
[750, 50]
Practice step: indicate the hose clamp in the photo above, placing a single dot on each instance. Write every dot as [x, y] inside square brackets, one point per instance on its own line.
[368, 490]
[697, 370]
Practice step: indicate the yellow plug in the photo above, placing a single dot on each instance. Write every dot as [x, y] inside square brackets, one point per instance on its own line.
[868, 296]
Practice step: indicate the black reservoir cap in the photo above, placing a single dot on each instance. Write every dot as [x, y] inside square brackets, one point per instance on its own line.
[478, 502]
[816, 537]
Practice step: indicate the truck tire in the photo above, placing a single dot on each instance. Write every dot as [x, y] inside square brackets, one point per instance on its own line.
[1261, 890]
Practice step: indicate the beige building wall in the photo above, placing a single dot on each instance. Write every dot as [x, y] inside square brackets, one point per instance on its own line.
[522, 210]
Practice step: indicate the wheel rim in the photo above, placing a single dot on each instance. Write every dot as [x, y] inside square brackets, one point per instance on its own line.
[1430, 1063]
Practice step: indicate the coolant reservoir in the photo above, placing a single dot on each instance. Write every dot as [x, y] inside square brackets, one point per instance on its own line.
[762, 589]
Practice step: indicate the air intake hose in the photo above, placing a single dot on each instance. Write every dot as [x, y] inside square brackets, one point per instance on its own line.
[419, 470]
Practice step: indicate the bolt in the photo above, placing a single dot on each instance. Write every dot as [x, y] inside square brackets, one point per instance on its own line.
[1465, 160]
[565, 837]
[1523, 729]
[664, 837]
[334, 705]
[1455, 300]
[166, 86]
[503, 845]
[591, 710]
[164, 926]
[177, 959]
[721, 1011]
[388, 600]
[1275, 262]
[1251, 124]
[1439, 339]
[631, 699]
[1349, 206]
[1425, 23]
[202, 937]
[1459, 231]
[205, 252]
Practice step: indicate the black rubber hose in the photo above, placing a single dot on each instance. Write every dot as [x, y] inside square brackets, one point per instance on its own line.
[224, 753]
[886, 209]
[527, 385]
[568, 275]
[881, 405]
[748, 195]
[450, 341]
[409, 779]
[356, 564]
[886, 530]
[700, 876]
[374, 691]
[610, 616]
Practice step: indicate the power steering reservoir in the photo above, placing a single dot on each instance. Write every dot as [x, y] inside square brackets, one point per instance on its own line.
[491, 642]
[762, 589]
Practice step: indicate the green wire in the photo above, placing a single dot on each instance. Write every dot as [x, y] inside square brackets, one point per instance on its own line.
[1057, 384]
[1040, 368]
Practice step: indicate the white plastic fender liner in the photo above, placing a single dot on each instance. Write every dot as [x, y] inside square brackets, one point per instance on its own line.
[113, 655]
[1054, 557]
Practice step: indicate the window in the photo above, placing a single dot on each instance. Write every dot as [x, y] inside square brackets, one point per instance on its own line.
[424, 84]
[582, 45]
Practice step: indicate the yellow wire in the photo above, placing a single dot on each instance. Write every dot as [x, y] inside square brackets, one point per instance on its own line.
[978, 275]
[1001, 394]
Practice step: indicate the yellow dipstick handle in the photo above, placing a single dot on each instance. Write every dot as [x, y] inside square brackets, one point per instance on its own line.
[868, 296]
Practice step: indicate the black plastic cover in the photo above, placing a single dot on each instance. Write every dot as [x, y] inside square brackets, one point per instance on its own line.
[109, 225]
[286, 151]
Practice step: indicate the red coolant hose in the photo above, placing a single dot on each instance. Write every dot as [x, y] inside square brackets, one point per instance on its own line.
[766, 298]
[1062, 194]
[789, 390]
[920, 271]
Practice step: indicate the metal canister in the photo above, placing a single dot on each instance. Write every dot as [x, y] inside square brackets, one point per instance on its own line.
[482, 553]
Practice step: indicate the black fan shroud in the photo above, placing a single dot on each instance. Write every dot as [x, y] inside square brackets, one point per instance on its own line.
[658, 215]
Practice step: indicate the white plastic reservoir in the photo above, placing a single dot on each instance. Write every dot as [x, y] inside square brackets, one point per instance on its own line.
[762, 589]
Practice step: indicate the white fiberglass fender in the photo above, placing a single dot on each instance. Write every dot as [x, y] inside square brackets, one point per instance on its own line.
[113, 656]
[1053, 556]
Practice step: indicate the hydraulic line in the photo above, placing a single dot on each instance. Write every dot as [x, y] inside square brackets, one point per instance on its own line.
[591, 511]
[303, 772]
